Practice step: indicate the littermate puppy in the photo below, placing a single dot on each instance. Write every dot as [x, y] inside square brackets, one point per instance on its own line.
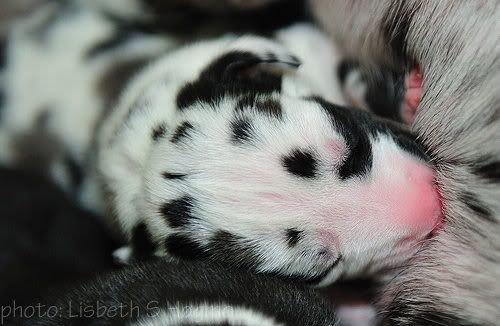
[184, 293]
[45, 239]
[228, 149]
[453, 280]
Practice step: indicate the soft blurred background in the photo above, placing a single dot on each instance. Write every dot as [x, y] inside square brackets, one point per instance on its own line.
[9, 9]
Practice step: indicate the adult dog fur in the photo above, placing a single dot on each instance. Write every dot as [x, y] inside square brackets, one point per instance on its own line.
[454, 279]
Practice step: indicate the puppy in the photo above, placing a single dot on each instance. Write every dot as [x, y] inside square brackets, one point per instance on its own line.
[183, 293]
[453, 279]
[227, 149]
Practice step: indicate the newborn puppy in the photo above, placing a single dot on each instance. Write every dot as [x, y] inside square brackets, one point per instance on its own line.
[227, 149]
[454, 278]
[184, 293]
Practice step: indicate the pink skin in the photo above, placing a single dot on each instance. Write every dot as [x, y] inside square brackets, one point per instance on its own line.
[406, 193]
[413, 95]
[335, 148]
[409, 199]
[416, 205]
[412, 98]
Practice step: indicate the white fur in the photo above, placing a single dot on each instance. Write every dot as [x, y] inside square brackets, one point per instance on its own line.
[243, 190]
[207, 314]
[51, 74]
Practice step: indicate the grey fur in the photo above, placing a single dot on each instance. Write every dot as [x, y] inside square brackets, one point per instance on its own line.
[454, 279]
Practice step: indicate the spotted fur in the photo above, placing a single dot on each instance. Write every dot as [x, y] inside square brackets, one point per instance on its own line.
[454, 279]
[217, 149]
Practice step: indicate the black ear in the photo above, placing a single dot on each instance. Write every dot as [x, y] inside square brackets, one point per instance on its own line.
[238, 62]
[235, 73]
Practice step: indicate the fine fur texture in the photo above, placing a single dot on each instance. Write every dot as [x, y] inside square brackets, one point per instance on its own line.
[185, 293]
[454, 279]
[227, 149]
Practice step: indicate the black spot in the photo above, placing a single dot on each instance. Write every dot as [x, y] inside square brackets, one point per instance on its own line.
[229, 248]
[200, 91]
[270, 106]
[182, 246]
[489, 171]
[230, 74]
[244, 102]
[178, 212]
[307, 279]
[173, 176]
[159, 132]
[142, 242]
[293, 236]
[241, 130]
[354, 125]
[359, 161]
[300, 163]
[477, 206]
[182, 131]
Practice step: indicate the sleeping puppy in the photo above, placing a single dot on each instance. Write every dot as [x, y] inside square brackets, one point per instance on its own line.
[183, 293]
[228, 149]
[454, 278]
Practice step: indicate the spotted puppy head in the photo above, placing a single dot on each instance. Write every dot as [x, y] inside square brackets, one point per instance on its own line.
[255, 176]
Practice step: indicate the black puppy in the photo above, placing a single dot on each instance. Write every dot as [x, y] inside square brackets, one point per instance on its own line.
[45, 239]
[184, 293]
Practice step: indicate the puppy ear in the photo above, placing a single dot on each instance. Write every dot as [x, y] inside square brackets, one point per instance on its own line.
[245, 64]
[237, 72]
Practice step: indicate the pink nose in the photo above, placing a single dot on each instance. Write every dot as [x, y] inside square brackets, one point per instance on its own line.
[420, 207]
[413, 200]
